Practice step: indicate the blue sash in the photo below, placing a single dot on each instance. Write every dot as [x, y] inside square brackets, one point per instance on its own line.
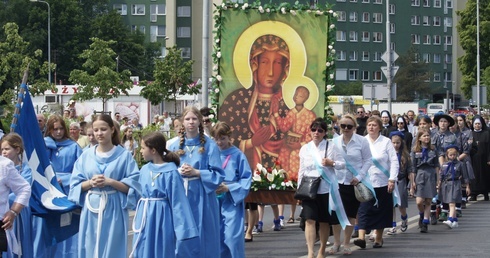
[396, 194]
[334, 200]
[366, 181]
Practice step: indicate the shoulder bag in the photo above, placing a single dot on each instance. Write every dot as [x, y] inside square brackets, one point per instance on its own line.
[362, 192]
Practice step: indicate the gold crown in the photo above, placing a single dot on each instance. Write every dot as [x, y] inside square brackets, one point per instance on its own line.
[269, 42]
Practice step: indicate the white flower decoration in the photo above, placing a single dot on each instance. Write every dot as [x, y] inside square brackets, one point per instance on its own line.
[219, 78]
[270, 177]
[257, 178]
[236, 5]
[327, 64]
[225, 7]
[283, 10]
[335, 15]
[273, 186]
[330, 46]
[333, 51]
[329, 87]
[293, 12]
[283, 184]
[331, 76]
[332, 26]
[216, 90]
[319, 12]
[330, 11]
[245, 5]
[215, 67]
[268, 10]
[261, 9]
[217, 41]
[308, 11]
[218, 55]
[211, 116]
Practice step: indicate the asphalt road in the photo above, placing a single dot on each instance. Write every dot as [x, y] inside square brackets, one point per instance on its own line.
[470, 239]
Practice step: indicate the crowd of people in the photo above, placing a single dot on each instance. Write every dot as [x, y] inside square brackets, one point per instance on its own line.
[189, 192]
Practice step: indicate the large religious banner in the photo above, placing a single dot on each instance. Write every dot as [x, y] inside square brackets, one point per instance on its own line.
[273, 66]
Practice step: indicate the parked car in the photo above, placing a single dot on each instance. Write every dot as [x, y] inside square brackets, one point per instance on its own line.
[465, 110]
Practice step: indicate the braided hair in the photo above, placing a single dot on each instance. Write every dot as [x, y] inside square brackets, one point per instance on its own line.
[202, 138]
[156, 140]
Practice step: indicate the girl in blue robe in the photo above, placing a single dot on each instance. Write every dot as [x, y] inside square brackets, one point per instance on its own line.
[50, 241]
[103, 183]
[13, 148]
[232, 193]
[163, 214]
[201, 170]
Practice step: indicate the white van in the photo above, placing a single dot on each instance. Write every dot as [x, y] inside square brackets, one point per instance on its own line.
[433, 108]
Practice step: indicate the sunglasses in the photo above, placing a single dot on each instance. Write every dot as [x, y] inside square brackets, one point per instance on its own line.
[319, 130]
[343, 126]
[206, 120]
[360, 112]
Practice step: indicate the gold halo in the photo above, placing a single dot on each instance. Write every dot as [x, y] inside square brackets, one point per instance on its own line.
[297, 60]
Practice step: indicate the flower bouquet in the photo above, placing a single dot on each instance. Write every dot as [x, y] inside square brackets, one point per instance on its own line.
[274, 178]
[271, 186]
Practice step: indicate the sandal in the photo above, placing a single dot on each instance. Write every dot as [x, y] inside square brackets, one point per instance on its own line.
[291, 220]
[347, 250]
[335, 249]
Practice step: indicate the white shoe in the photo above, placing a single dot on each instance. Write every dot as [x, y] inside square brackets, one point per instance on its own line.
[454, 224]
[372, 236]
[448, 223]
[281, 223]
[391, 231]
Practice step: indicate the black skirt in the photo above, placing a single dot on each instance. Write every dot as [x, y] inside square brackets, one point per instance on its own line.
[377, 216]
[351, 204]
[316, 209]
[3, 239]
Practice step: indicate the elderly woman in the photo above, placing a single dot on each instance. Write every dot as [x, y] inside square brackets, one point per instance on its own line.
[480, 159]
[311, 155]
[352, 161]
[377, 214]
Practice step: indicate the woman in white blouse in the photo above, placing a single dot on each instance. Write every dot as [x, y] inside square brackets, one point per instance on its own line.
[377, 214]
[311, 156]
[352, 161]
[10, 180]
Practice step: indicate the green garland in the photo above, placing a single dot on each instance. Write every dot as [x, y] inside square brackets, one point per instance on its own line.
[267, 9]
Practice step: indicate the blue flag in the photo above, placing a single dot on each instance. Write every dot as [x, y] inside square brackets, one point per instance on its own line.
[47, 196]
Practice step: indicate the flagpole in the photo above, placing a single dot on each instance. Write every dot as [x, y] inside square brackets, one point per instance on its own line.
[20, 97]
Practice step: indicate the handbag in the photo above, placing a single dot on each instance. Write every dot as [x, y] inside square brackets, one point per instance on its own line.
[308, 188]
[363, 194]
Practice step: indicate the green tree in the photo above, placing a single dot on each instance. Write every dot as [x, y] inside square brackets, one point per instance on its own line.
[172, 78]
[347, 89]
[412, 78]
[467, 34]
[100, 78]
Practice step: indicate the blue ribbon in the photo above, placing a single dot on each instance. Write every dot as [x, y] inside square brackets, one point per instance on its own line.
[450, 167]
[387, 174]
[334, 198]
[366, 181]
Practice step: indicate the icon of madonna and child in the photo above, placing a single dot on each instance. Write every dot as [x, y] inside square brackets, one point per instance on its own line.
[268, 128]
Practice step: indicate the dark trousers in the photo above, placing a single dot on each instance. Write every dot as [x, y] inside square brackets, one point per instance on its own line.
[3, 239]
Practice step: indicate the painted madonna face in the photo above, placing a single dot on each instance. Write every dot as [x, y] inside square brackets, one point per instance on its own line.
[271, 69]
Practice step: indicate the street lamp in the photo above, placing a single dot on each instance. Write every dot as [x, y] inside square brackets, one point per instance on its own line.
[49, 37]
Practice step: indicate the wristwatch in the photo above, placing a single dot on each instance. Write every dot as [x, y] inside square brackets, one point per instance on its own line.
[333, 164]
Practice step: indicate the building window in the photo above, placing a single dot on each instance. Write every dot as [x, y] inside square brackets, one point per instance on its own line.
[437, 40]
[136, 28]
[378, 1]
[365, 76]
[437, 3]
[377, 37]
[377, 57]
[365, 1]
[448, 40]
[436, 21]
[157, 31]
[365, 36]
[392, 28]
[138, 9]
[341, 55]
[184, 11]
[341, 74]
[392, 46]
[183, 32]
[449, 3]
[186, 52]
[437, 77]
[392, 9]
[448, 59]
[158, 9]
[163, 52]
[425, 20]
[353, 75]
[352, 55]
[448, 21]
[353, 16]
[437, 58]
[377, 17]
[415, 2]
[353, 36]
[341, 16]
[415, 20]
[365, 17]
[426, 3]
[426, 57]
[340, 0]
[426, 40]
[340, 35]
[415, 39]
[365, 56]
[121, 9]
[377, 76]
[353, 1]
[448, 76]
[416, 58]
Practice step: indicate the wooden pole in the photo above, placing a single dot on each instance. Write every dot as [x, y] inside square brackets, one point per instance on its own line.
[19, 100]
